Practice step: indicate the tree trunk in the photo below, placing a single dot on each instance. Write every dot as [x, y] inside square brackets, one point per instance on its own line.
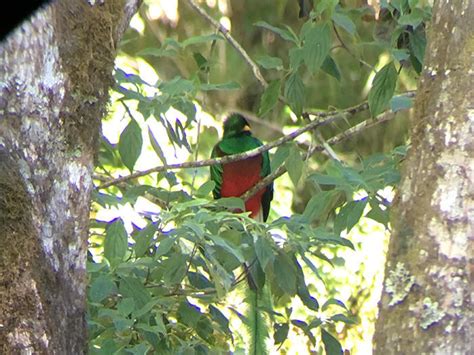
[426, 306]
[55, 73]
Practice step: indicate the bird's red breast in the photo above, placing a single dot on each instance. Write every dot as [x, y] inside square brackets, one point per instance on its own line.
[240, 176]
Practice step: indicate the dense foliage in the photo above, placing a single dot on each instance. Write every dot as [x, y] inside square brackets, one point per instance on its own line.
[170, 279]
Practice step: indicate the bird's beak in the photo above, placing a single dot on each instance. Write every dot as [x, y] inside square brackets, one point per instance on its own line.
[246, 128]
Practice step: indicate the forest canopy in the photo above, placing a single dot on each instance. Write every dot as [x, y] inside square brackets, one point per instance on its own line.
[329, 86]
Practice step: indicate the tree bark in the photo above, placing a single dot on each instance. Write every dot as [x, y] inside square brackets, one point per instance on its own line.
[426, 306]
[55, 73]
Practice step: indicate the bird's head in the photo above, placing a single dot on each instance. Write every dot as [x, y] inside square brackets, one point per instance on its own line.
[235, 124]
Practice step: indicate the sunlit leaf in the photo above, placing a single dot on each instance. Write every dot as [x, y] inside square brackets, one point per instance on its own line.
[264, 251]
[201, 39]
[344, 21]
[331, 344]
[280, 332]
[282, 32]
[269, 97]
[382, 89]
[294, 164]
[316, 47]
[115, 244]
[295, 93]
[101, 287]
[269, 62]
[285, 273]
[156, 146]
[133, 287]
[130, 144]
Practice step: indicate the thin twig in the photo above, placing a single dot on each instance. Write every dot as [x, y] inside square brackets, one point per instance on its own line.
[225, 32]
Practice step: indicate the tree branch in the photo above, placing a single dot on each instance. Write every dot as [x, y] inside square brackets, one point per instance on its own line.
[329, 117]
[387, 116]
[225, 32]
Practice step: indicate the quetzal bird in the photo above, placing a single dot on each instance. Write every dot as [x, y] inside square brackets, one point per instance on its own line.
[233, 180]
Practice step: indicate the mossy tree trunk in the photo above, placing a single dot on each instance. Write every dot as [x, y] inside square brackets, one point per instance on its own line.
[426, 306]
[55, 73]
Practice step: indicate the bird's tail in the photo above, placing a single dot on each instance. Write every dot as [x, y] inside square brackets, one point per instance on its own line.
[257, 323]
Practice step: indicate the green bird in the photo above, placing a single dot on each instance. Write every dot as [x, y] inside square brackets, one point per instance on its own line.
[234, 179]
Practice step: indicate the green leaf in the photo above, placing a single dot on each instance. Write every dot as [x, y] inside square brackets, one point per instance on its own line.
[199, 280]
[189, 314]
[295, 93]
[331, 344]
[418, 45]
[264, 251]
[400, 54]
[330, 67]
[130, 144]
[206, 188]
[156, 329]
[156, 146]
[282, 32]
[296, 58]
[285, 274]
[231, 85]
[126, 306]
[355, 212]
[115, 244]
[398, 103]
[133, 287]
[316, 47]
[280, 332]
[165, 246]
[174, 270]
[342, 318]
[322, 179]
[294, 164]
[101, 288]
[231, 203]
[157, 52]
[344, 21]
[268, 62]
[220, 319]
[377, 214]
[143, 239]
[146, 307]
[382, 89]
[414, 18]
[318, 205]
[226, 246]
[201, 39]
[176, 86]
[302, 290]
[201, 62]
[269, 97]
[280, 156]
[333, 301]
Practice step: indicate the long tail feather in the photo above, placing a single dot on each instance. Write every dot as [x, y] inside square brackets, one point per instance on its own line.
[257, 326]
